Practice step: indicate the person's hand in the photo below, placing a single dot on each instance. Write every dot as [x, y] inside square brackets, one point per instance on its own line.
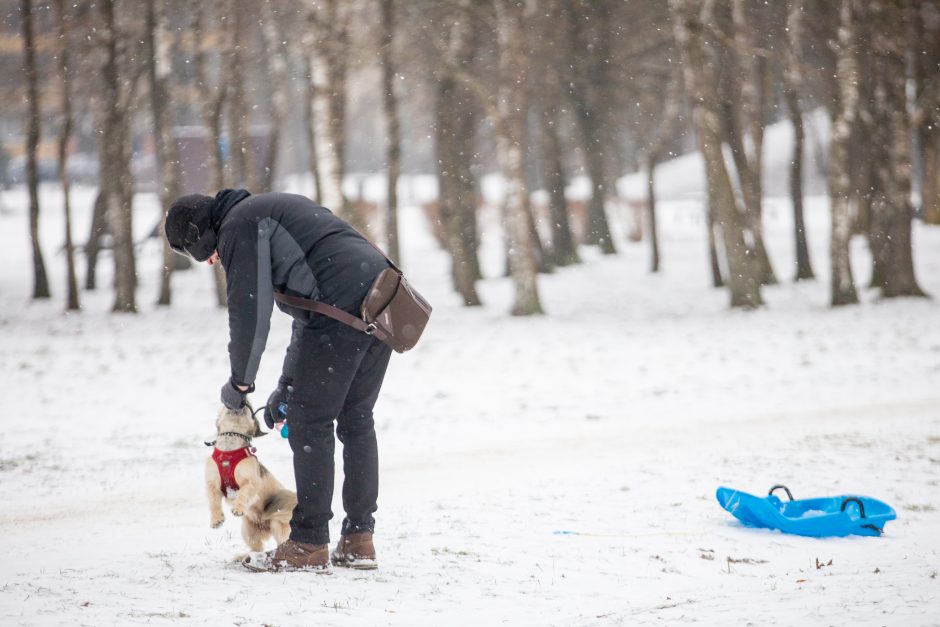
[233, 396]
[276, 408]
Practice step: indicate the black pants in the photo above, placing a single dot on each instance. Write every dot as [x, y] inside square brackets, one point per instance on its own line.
[338, 376]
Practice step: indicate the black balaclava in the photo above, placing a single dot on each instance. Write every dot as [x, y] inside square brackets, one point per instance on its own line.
[193, 220]
[189, 227]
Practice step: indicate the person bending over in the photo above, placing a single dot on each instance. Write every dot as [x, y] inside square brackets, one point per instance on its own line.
[332, 373]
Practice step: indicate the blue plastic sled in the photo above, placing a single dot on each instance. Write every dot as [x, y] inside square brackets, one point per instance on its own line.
[823, 517]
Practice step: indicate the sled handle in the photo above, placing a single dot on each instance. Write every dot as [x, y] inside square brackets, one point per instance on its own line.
[852, 499]
[777, 487]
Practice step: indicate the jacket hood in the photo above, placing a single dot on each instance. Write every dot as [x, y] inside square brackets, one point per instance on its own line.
[223, 203]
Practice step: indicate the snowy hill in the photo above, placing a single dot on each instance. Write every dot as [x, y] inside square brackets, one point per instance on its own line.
[684, 176]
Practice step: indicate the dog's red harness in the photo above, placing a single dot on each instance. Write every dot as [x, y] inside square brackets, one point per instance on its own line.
[227, 461]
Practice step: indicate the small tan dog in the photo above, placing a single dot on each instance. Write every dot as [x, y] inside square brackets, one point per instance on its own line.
[235, 474]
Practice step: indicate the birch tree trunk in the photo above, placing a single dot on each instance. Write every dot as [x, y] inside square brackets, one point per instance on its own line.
[598, 230]
[510, 129]
[862, 163]
[564, 250]
[40, 280]
[335, 41]
[160, 43]
[843, 286]
[65, 134]
[863, 153]
[653, 155]
[330, 189]
[878, 133]
[276, 57]
[212, 101]
[464, 226]
[455, 124]
[543, 262]
[748, 137]
[924, 49]
[453, 200]
[793, 85]
[393, 129]
[211, 98]
[649, 167]
[930, 160]
[893, 207]
[329, 21]
[589, 105]
[99, 226]
[244, 167]
[714, 260]
[311, 116]
[743, 280]
[114, 155]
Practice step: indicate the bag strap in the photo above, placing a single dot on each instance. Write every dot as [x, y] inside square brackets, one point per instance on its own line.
[334, 312]
[379, 250]
[329, 310]
[390, 262]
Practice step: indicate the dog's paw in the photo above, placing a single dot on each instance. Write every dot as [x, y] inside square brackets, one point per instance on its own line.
[237, 512]
[215, 524]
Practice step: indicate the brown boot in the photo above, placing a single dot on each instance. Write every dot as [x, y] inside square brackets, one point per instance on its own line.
[355, 551]
[289, 556]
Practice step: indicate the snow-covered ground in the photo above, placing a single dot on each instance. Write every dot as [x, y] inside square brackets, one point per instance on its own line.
[615, 416]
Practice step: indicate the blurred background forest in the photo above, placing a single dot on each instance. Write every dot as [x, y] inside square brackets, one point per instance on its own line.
[182, 96]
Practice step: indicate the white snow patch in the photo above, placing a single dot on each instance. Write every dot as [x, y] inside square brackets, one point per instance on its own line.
[614, 416]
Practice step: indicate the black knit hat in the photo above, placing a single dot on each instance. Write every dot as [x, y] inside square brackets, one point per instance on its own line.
[189, 226]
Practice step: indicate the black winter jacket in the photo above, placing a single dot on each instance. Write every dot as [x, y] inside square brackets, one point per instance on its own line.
[287, 243]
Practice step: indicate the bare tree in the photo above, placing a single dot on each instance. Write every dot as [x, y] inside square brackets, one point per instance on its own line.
[87, 62]
[654, 153]
[393, 128]
[313, 116]
[33, 118]
[160, 44]
[590, 34]
[65, 134]
[492, 73]
[455, 128]
[549, 90]
[99, 226]
[212, 101]
[892, 210]
[113, 119]
[330, 24]
[700, 83]
[924, 50]
[510, 122]
[564, 251]
[843, 286]
[242, 164]
[211, 97]
[792, 86]
[714, 259]
[275, 52]
[863, 153]
[745, 124]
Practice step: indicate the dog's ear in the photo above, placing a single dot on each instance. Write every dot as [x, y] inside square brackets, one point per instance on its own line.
[258, 432]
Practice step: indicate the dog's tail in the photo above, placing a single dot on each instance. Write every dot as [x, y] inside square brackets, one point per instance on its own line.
[279, 505]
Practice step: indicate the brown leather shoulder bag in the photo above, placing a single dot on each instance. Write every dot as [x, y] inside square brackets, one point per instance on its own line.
[392, 310]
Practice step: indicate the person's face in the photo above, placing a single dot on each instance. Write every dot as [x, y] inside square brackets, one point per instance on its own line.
[213, 258]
